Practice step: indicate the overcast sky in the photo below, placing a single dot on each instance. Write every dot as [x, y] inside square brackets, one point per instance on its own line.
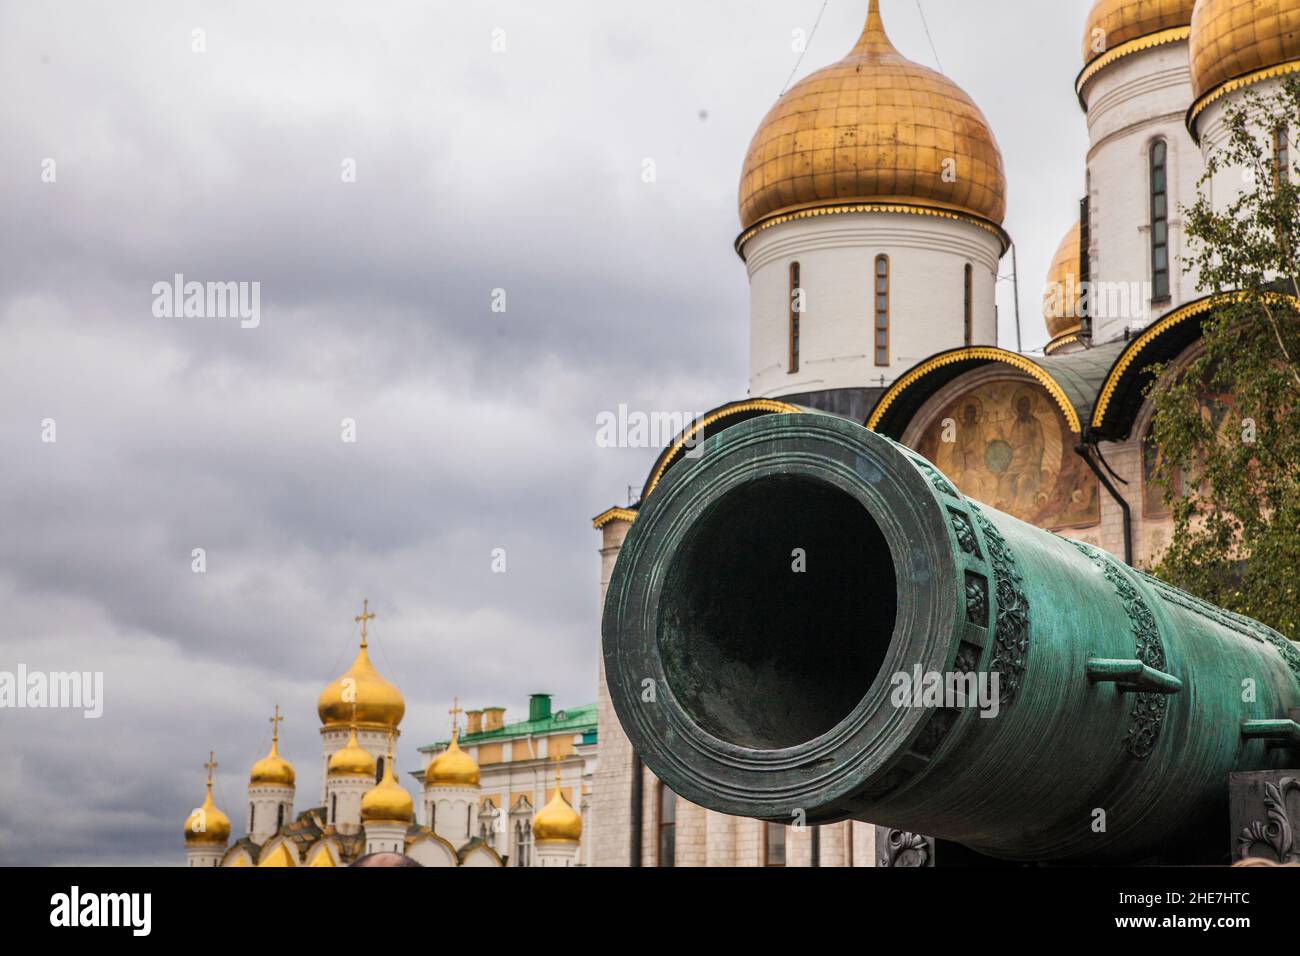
[475, 170]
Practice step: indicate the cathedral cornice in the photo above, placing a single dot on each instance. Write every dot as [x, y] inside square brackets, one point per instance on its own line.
[1136, 45]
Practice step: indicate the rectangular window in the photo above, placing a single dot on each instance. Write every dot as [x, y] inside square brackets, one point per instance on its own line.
[1282, 154]
[970, 306]
[882, 310]
[773, 844]
[667, 827]
[1159, 221]
[796, 309]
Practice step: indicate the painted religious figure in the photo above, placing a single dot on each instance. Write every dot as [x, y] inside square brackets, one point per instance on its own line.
[1006, 444]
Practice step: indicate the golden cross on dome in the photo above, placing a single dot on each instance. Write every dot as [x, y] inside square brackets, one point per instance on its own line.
[275, 723]
[363, 617]
[455, 712]
[211, 765]
[557, 758]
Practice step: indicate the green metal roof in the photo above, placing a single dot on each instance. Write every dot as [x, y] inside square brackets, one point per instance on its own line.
[577, 720]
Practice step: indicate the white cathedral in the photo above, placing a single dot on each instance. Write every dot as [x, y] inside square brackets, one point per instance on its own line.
[871, 206]
[363, 809]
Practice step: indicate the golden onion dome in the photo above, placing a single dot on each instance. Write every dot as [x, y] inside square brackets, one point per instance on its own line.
[1236, 42]
[1061, 291]
[452, 768]
[1112, 23]
[272, 770]
[351, 760]
[207, 826]
[387, 801]
[378, 703]
[877, 129]
[557, 820]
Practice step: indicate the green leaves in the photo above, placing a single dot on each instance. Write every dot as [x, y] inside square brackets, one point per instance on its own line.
[1228, 416]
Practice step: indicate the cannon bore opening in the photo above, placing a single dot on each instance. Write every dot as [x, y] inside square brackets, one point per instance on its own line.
[777, 612]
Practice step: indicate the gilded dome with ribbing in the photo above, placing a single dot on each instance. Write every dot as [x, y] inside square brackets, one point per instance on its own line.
[878, 129]
[1242, 41]
[378, 703]
[207, 824]
[1112, 23]
[1061, 291]
[351, 760]
[557, 821]
[387, 801]
[272, 770]
[452, 768]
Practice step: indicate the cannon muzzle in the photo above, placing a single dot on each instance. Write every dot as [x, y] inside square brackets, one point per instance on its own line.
[810, 623]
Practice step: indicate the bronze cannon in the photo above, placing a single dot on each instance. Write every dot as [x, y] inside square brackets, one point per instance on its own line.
[809, 623]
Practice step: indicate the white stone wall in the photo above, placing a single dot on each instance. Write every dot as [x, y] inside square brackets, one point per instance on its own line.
[374, 742]
[385, 837]
[452, 813]
[1228, 184]
[609, 841]
[349, 791]
[1135, 101]
[266, 802]
[836, 256]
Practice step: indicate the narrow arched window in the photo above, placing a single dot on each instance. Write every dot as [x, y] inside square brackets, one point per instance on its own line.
[279, 817]
[379, 770]
[796, 311]
[252, 817]
[969, 305]
[773, 844]
[1282, 154]
[882, 310]
[667, 827]
[1159, 220]
[334, 808]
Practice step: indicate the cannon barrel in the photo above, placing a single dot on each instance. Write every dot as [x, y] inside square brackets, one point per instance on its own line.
[809, 622]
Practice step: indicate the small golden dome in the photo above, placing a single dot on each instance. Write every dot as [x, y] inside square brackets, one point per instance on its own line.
[280, 856]
[207, 826]
[387, 801]
[1235, 39]
[1112, 23]
[557, 820]
[378, 703]
[1061, 291]
[272, 770]
[452, 768]
[351, 760]
[874, 128]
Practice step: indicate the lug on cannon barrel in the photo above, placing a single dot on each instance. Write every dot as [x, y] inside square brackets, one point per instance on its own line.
[778, 589]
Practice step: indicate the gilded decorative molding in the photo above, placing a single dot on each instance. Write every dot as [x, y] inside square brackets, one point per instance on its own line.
[756, 405]
[613, 514]
[1231, 86]
[906, 209]
[1149, 709]
[1061, 341]
[1153, 332]
[1011, 631]
[1136, 45]
[985, 353]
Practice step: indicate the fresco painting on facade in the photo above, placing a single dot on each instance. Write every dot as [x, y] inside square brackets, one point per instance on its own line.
[1007, 444]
